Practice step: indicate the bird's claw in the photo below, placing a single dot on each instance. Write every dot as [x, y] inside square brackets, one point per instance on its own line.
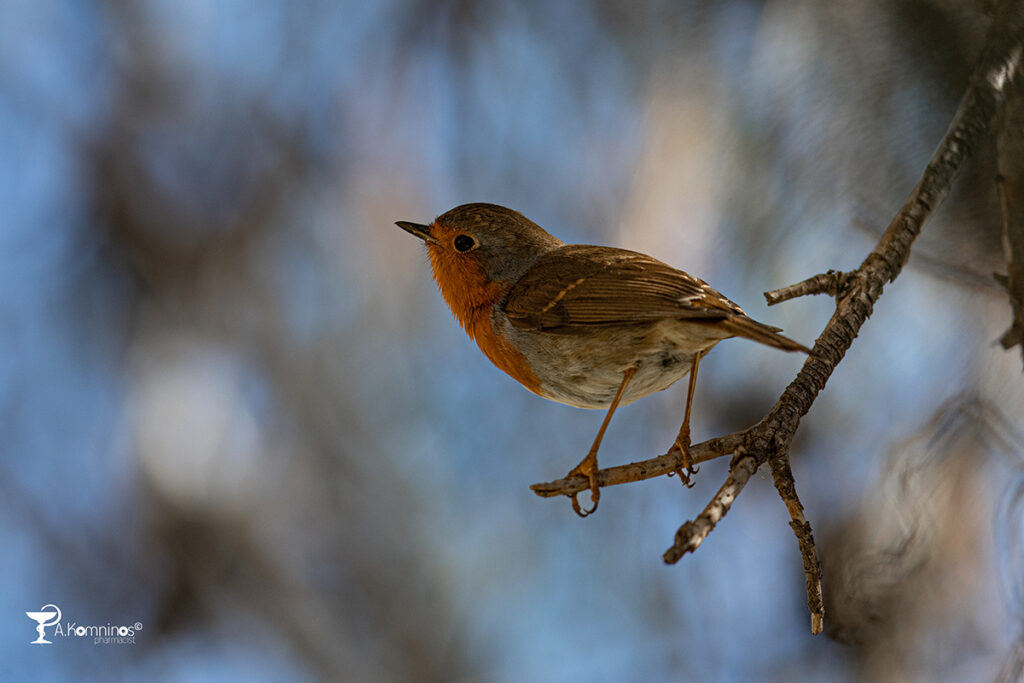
[587, 468]
[687, 469]
[684, 475]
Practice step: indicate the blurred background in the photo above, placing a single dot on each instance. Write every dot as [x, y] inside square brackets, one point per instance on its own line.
[236, 410]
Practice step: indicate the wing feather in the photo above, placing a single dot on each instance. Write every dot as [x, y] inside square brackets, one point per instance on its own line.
[577, 287]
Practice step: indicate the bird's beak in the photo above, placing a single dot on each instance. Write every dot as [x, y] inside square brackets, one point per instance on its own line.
[417, 229]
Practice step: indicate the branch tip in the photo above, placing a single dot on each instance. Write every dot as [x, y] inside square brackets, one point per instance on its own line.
[692, 533]
[832, 282]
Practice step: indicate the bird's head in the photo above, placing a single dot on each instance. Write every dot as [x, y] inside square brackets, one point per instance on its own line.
[478, 251]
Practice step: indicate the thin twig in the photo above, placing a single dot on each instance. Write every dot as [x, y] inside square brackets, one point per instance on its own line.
[644, 469]
[786, 486]
[691, 534]
[832, 283]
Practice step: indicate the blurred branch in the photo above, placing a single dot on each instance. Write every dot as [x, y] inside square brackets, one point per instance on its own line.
[1010, 182]
[856, 293]
[943, 263]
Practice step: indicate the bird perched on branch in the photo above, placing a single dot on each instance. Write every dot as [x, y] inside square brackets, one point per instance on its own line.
[588, 326]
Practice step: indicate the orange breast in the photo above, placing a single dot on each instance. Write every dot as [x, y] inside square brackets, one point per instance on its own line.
[502, 353]
[472, 297]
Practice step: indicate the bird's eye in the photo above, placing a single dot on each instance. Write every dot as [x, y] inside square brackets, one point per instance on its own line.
[464, 243]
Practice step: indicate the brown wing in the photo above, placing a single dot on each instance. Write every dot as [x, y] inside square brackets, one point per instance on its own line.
[577, 287]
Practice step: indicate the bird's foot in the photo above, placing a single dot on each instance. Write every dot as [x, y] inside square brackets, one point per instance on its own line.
[687, 469]
[587, 468]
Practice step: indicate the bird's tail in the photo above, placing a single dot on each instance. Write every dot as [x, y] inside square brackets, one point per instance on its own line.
[748, 328]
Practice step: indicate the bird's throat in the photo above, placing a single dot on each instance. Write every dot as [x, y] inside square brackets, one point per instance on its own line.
[465, 288]
[472, 299]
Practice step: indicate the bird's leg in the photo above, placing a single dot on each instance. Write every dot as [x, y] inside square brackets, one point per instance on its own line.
[682, 443]
[588, 466]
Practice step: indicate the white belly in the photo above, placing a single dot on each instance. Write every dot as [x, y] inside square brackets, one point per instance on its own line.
[586, 370]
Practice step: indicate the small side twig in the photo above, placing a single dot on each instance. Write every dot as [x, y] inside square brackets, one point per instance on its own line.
[692, 533]
[832, 282]
[786, 486]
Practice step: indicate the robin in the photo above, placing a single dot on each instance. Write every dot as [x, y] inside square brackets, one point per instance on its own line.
[588, 326]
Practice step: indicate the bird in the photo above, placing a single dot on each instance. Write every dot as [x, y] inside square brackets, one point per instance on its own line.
[588, 326]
